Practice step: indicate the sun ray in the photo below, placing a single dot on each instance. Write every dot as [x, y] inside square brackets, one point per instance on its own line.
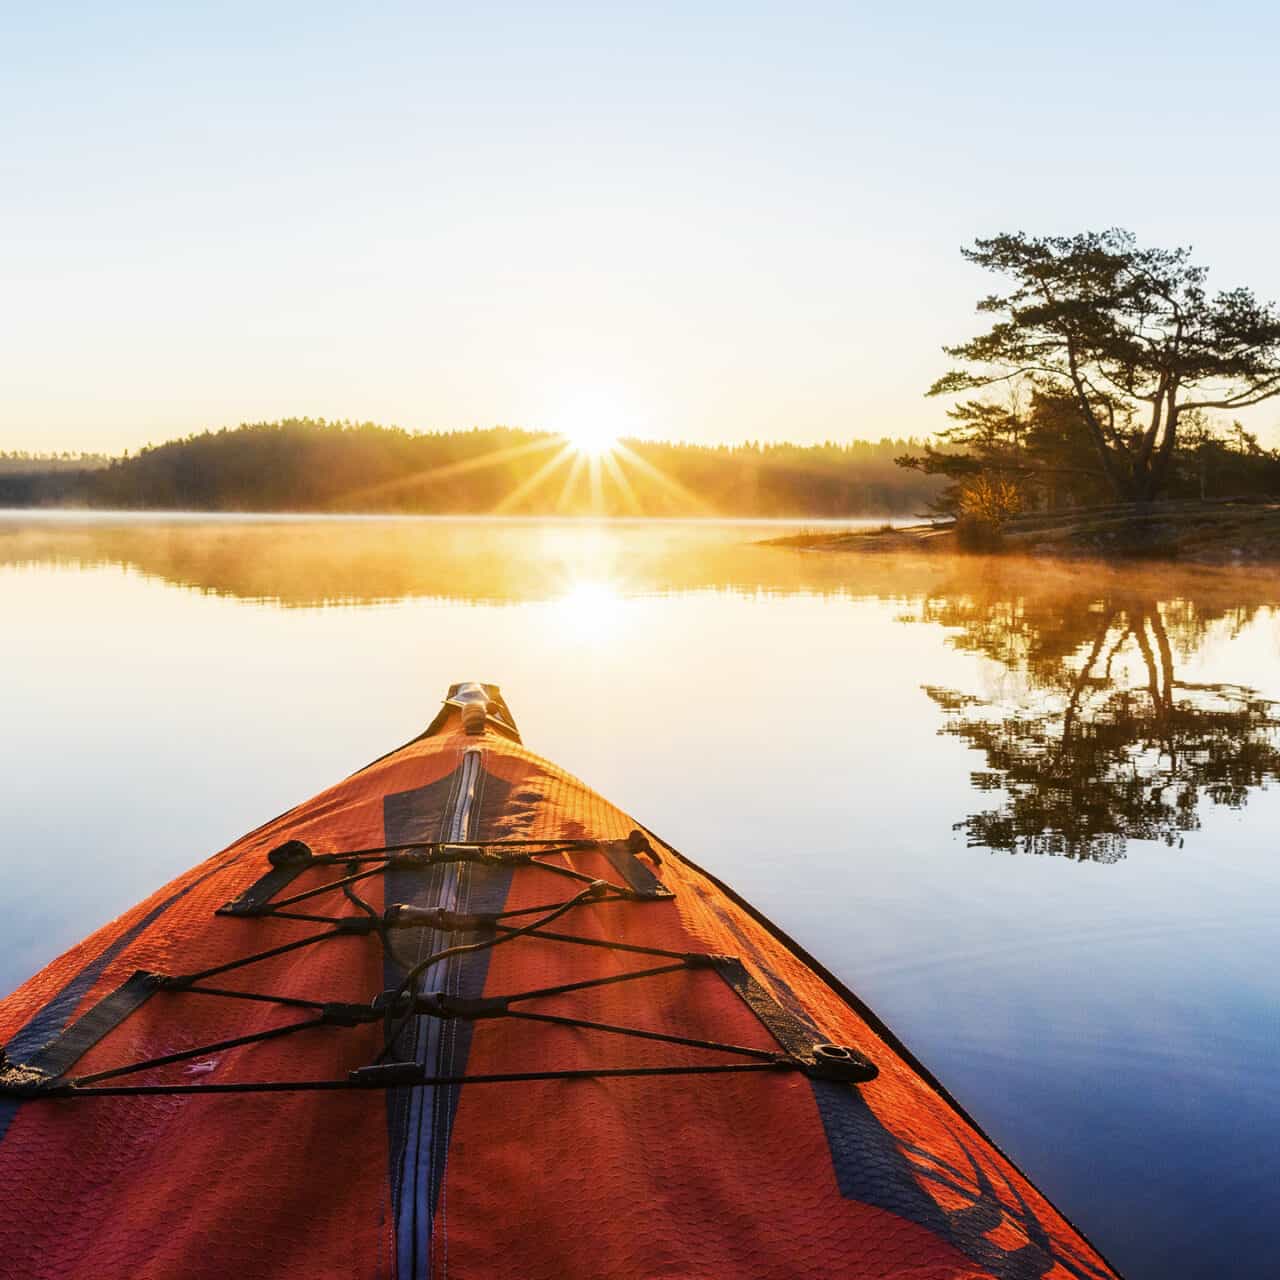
[566, 490]
[595, 482]
[434, 474]
[538, 478]
[619, 478]
[672, 487]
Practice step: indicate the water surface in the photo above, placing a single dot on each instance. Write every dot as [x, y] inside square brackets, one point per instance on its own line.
[1027, 811]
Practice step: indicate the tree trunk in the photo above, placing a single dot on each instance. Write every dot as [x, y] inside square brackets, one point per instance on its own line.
[1158, 470]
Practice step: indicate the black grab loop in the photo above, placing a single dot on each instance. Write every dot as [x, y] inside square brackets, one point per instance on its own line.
[840, 1062]
[44, 1074]
[293, 853]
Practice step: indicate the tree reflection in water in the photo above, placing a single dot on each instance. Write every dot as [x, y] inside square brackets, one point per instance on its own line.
[1101, 742]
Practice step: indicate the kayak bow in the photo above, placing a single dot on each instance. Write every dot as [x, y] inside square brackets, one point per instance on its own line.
[460, 1016]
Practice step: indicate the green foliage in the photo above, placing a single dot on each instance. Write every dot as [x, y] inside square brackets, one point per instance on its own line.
[985, 504]
[1035, 443]
[1122, 341]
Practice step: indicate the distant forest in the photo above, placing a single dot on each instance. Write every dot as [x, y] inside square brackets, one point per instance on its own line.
[20, 462]
[312, 465]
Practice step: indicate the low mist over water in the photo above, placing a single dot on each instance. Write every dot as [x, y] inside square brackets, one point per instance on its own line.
[1026, 810]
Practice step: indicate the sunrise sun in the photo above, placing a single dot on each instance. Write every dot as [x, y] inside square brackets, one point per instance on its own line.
[592, 418]
[594, 439]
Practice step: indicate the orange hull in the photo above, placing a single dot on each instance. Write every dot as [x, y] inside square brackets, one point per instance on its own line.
[619, 1069]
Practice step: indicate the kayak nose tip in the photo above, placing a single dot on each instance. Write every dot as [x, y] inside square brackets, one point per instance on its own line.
[475, 702]
[480, 706]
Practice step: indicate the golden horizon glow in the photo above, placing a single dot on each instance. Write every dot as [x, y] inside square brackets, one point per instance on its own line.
[586, 466]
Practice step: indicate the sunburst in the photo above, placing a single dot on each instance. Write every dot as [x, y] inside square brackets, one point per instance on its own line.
[588, 469]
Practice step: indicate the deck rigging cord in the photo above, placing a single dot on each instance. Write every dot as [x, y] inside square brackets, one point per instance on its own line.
[799, 1049]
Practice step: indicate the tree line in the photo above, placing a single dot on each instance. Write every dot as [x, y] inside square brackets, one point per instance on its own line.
[302, 464]
[23, 462]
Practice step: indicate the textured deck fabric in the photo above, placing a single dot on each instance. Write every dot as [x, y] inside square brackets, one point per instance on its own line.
[767, 1174]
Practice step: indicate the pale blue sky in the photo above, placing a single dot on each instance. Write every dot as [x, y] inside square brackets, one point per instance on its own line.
[704, 221]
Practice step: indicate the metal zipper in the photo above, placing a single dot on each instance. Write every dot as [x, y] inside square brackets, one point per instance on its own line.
[461, 819]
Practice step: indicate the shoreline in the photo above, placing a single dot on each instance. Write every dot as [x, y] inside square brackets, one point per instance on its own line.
[1228, 532]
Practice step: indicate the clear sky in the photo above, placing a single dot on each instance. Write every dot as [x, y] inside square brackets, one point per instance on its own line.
[704, 220]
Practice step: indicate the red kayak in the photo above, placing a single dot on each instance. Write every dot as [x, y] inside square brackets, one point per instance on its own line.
[460, 1017]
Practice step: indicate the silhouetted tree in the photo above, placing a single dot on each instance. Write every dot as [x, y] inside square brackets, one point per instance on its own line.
[1032, 441]
[1128, 337]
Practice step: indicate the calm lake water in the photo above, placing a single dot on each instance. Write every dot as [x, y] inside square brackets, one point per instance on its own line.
[1028, 811]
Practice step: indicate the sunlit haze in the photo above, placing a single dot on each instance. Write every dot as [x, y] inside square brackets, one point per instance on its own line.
[718, 222]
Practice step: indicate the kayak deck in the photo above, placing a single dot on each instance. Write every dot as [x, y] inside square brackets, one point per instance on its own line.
[459, 1016]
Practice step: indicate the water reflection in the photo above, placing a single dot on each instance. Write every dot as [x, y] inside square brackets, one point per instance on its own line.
[1094, 739]
[307, 562]
[1092, 733]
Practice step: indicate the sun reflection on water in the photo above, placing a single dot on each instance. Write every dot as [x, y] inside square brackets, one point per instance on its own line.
[592, 606]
